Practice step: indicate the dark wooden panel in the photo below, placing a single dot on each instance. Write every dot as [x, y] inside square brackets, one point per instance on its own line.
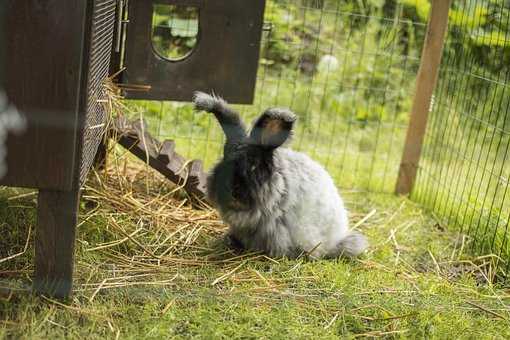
[43, 54]
[54, 244]
[2, 44]
[225, 59]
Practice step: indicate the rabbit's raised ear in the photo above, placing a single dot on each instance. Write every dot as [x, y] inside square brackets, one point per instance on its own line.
[273, 128]
[228, 118]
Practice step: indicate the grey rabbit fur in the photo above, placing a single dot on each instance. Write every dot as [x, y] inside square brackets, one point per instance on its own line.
[274, 199]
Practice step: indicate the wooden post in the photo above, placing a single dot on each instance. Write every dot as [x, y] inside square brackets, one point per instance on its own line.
[2, 43]
[54, 243]
[425, 85]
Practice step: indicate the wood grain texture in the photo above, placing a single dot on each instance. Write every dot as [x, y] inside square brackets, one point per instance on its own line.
[51, 55]
[43, 55]
[161, 156]
[54, 243]
[225, 59]
[2, 43]
[425, 85]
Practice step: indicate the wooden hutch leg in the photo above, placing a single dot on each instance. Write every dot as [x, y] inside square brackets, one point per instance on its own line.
[54, 245]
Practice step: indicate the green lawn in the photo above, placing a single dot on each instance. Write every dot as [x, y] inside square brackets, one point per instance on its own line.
[150, 266]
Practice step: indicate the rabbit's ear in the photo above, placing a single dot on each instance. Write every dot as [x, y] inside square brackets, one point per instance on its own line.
[228, 118]
[273, 128]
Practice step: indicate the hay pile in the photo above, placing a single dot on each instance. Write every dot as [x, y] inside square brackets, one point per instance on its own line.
[150, 233]
[145, 229]
[150, 228]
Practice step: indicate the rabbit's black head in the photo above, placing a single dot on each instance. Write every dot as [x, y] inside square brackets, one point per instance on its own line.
[248, 161]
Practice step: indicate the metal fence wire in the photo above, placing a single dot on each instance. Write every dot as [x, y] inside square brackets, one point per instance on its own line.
[464, 172]
[348, 70]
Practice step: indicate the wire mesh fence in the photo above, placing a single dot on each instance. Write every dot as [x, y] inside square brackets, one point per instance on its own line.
[464, 172]
[346, 68]
[348, 71]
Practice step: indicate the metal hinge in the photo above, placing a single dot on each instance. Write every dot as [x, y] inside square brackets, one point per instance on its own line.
[122, 20]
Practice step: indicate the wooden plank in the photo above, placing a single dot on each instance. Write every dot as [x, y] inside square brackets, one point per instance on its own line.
[161, 156]
[225, 59]
[147, 142]
[167, 151]
[197, 179]
[54, 243]
[2, 50]
[425, 85]
[44, 60]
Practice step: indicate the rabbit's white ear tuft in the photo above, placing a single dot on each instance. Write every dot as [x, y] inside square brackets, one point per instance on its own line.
[273, 127]
[207, 102]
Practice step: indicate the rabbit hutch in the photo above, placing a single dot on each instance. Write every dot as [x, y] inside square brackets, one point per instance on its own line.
[57, 56]
[389, 98]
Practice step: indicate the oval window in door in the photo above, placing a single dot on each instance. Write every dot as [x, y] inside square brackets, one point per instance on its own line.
[174, 31]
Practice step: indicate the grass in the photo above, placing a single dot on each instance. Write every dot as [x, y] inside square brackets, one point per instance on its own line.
[148, 265]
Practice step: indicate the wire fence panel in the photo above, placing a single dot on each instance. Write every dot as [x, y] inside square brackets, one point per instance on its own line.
[464, 171]
[346, 68]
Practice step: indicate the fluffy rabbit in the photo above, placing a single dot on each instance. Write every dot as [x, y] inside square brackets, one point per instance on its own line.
[274, 199]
